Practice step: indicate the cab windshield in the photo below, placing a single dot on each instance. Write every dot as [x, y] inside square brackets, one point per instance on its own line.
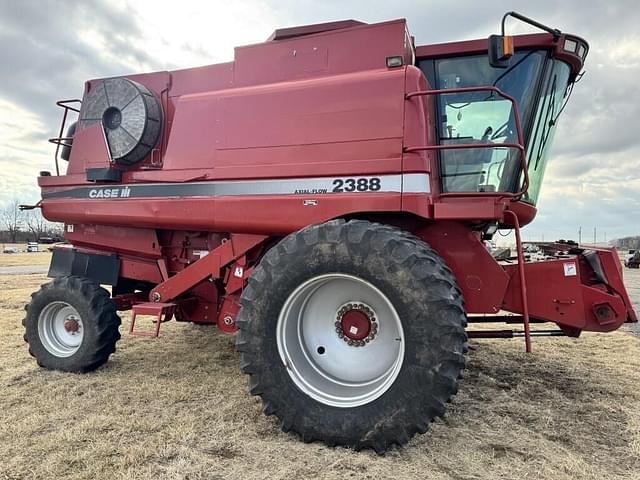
[534, 80]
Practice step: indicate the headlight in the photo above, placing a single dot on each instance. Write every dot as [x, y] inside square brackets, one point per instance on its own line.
[573, 45]
[582, 51]
[570, 45]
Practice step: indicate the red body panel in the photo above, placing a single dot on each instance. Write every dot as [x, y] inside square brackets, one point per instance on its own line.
[225, 214]
[315, 124]
[483, 282]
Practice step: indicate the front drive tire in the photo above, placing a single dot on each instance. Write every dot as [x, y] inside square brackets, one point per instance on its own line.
[353, 334]
[71, 325]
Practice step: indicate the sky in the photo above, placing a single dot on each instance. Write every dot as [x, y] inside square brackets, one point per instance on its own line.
[49, 48]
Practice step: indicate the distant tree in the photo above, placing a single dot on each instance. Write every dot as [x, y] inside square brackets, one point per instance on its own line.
[12, 218]
[36, 223]
[55, 230]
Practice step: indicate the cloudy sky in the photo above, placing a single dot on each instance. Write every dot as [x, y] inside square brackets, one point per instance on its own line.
[49, 48]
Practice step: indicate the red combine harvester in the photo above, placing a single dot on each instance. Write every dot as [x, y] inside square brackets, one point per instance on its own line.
[327, 194]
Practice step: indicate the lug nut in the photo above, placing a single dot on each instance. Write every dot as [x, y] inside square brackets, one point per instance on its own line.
[370, 314]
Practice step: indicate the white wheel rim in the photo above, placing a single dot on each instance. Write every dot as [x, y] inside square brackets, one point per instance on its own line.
[319, 361]
[60, 329]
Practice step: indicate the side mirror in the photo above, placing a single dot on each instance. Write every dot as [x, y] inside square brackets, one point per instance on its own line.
[500, 50]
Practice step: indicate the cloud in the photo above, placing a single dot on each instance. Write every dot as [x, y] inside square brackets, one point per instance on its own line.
[49, 49]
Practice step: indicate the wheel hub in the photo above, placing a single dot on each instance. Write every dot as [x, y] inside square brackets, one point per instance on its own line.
[71, 325]
[60, 329]
[356, 324]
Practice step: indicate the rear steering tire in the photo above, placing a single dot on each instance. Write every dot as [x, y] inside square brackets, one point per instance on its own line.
[71, 325]
[353, 334]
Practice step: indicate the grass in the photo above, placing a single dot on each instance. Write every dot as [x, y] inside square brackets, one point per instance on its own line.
[177, 407]
[23, 258]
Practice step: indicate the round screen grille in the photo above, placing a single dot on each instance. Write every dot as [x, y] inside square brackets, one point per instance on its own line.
[130, 114]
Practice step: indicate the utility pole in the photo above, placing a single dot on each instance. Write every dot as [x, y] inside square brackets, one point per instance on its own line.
[594, 235]
[580, 235]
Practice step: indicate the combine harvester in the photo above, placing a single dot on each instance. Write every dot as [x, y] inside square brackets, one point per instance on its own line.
[327, 194]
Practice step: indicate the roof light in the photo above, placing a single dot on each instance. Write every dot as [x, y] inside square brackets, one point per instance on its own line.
[395, 61]
[582, 51]
[507, 46]
[570, 45]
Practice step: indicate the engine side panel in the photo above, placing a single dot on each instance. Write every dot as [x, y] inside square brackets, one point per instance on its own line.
[316, 125]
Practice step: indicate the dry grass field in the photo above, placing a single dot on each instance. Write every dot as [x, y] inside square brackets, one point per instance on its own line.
[23, 258]
[176, 407]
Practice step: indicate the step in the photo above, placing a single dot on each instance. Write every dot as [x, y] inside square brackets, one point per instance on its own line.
[162, 311]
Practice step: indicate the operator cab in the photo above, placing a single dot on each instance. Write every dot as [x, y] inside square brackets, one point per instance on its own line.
[538, 75]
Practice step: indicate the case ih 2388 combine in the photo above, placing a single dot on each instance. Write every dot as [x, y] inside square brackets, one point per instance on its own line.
[327, 194]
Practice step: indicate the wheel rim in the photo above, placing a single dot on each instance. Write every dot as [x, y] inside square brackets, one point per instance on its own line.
[311, 340]
[60, 329]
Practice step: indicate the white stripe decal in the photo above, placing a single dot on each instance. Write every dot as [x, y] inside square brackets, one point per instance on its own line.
[415, 183]
[408, 183]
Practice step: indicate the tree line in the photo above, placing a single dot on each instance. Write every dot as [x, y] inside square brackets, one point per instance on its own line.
[18, 225]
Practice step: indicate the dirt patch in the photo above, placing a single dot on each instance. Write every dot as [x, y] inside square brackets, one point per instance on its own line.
[177, 407]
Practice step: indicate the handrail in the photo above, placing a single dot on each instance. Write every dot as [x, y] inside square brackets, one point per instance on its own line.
[519, 146]
[63, 104]
[523, 284]
[59, 140]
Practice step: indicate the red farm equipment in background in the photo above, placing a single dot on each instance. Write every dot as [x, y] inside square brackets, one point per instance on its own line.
[328, 194]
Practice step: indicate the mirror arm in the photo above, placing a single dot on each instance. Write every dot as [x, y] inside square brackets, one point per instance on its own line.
[554, 31]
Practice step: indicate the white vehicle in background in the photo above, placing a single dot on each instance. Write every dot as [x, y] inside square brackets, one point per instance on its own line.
[32, 247]
[9, 250]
